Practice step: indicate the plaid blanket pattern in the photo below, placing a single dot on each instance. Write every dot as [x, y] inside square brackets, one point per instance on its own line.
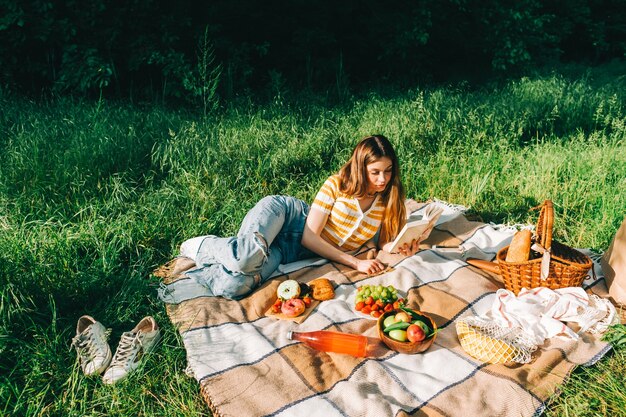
[246, 366]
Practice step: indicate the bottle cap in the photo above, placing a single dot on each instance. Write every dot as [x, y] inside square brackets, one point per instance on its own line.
[289, 334]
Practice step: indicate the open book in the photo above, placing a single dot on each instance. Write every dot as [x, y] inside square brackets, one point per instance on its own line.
[414, 229]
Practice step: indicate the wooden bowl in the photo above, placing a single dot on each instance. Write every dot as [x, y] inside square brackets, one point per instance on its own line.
[407, 347]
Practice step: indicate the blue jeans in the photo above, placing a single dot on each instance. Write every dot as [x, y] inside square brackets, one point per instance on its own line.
[269, 235]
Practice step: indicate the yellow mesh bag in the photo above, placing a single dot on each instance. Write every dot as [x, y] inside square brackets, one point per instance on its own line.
[489, 342]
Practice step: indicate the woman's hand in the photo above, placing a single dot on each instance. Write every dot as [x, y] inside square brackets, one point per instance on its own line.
[409, 249]
[412, 248]
[369, 266]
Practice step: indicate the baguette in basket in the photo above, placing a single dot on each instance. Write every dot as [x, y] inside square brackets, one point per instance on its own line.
[519, 250]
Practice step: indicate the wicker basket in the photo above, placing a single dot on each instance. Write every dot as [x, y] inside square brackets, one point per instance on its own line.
[568, 267]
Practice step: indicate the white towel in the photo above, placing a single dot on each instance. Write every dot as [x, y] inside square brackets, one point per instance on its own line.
[542, 313]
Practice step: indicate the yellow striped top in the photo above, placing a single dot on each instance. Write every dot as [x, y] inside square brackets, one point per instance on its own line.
[347, 226]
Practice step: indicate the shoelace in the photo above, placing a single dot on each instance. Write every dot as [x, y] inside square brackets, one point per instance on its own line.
[164, 290]
[129, 345]
[85, 344]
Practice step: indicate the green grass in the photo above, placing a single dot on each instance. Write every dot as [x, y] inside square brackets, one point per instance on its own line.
[93, 196]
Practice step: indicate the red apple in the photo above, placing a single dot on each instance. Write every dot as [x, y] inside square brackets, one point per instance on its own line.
[415, 333]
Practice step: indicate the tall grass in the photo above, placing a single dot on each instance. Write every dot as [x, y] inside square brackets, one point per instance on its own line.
[93, 196]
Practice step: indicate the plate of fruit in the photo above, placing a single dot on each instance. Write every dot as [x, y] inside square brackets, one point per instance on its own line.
[371, 301]
[406, 330]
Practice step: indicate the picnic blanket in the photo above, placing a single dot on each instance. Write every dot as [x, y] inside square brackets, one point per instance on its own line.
[246, 365]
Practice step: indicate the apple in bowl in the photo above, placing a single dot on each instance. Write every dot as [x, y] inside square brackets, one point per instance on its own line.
[407, 331]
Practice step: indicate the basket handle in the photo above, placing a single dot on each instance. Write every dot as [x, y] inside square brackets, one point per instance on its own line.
[545, 223]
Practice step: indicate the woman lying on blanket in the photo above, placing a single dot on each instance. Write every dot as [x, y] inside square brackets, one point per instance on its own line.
[364, 200]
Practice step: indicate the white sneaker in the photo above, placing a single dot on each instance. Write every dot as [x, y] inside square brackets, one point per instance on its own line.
[131, 350]
[91, 345]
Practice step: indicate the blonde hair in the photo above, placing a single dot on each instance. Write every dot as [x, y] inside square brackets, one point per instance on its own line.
[353, 177]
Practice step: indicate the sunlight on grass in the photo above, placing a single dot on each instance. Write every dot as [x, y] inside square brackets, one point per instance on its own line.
[93, 197]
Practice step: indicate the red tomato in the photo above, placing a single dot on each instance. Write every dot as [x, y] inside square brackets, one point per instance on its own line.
[388, 307]
[375, 307]
[366, 310]
[369, 301]
[375, 314]
[359, 306]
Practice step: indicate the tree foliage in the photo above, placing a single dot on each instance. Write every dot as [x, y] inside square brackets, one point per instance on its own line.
[149, 48]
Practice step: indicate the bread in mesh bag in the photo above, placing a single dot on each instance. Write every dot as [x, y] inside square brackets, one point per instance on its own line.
[489, 342]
